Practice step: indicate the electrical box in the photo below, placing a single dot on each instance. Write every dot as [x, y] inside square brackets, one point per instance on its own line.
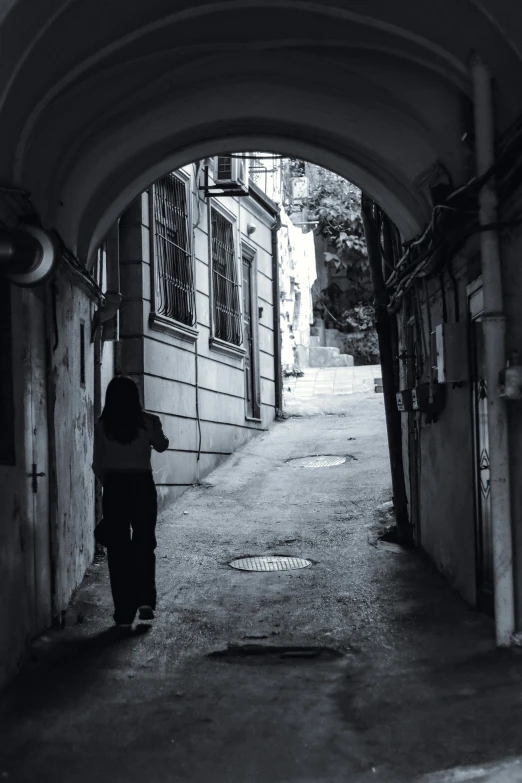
[451, 353]
[421, 399]
[405, 400]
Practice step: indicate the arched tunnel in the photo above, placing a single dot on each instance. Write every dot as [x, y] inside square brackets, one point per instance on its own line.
[417, 104]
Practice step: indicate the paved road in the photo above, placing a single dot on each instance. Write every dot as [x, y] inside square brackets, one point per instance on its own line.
[331, 380]
[407, 686]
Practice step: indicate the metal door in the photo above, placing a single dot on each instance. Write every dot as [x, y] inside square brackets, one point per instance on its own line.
[250, 385]
[35, 462]
[483, 536]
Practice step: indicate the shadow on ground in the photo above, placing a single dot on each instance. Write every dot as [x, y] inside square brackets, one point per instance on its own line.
[364, 666]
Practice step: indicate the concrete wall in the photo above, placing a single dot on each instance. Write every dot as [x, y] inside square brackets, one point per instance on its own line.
[15, 606]
[446, 458]
[46, 538]
[71, 425]
[166, 366]
[511, 251]
[297, 273]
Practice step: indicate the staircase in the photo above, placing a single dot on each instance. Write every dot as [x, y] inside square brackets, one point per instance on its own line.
[327, 356]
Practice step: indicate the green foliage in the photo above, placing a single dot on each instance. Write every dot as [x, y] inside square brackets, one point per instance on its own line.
[360, 317]
[363, 347]
[336, 204]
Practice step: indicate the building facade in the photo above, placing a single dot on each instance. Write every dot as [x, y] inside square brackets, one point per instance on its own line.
[181, 298]
[196, 322]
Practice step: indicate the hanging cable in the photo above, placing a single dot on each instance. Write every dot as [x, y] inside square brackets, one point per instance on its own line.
[430, 360]
[455, 290]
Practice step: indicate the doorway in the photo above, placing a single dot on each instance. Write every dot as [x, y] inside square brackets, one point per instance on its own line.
[250, 314]
[32, 469]
[479, 390]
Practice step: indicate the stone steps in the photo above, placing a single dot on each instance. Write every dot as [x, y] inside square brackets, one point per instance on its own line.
[321, 356]
[327, 355]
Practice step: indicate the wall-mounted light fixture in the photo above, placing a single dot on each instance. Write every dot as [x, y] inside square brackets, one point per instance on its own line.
[28, 256]
[250, 228]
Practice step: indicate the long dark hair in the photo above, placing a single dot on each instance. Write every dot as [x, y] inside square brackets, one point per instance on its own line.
[122, 415]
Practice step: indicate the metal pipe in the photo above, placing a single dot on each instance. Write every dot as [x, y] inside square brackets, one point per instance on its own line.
[494, 329]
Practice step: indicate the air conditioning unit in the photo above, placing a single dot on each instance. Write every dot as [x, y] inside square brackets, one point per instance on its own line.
[230, 177]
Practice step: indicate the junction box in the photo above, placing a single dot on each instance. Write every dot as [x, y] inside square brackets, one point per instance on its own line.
[451, 352]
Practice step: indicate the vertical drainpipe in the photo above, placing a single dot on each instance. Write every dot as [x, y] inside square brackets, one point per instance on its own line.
[278, 372]
[494, 330]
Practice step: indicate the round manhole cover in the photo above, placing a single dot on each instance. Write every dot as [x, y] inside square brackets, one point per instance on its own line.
[324, 461]
[270, 563]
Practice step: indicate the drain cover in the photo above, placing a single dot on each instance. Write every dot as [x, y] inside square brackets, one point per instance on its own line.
[325, 461]
[257, 653]
[270, 563]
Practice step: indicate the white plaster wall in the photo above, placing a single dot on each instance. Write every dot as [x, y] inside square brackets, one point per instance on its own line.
[297, 272]
[72, 422]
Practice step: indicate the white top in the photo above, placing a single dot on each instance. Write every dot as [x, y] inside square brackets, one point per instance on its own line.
[109, 455]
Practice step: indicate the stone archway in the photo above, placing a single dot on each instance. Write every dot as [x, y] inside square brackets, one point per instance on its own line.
[92, 112]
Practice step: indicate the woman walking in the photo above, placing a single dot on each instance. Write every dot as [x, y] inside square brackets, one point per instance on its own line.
[123, 438]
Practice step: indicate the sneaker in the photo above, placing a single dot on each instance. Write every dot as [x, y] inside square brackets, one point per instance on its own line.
[146, 613]
[124, 625]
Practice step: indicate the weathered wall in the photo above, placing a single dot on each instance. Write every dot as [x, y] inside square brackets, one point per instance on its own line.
[447, 527]
[72, 421]
[297, 273]
[15, 606]
[511, 251]
[179, 379]
[46, 538]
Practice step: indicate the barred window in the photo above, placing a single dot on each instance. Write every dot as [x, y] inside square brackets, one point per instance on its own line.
[174, 274]
[226, 304]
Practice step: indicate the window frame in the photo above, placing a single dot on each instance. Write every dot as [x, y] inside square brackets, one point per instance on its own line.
[217, 343]
[159, 321]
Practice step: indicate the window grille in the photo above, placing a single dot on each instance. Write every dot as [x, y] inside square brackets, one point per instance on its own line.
[226, 302]
[174, 274]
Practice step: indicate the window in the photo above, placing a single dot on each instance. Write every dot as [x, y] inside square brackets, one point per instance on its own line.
[174, 295]
[226, 301]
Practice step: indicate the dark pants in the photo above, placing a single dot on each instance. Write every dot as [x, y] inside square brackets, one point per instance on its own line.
[130, 502]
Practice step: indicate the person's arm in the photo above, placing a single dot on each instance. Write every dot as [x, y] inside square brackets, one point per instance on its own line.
[97, 461]
[158, 439]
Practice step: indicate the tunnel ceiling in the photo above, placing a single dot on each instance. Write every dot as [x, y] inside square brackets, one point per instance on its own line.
[97, 99]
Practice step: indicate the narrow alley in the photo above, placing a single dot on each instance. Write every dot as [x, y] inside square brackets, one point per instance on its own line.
[397, 679]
